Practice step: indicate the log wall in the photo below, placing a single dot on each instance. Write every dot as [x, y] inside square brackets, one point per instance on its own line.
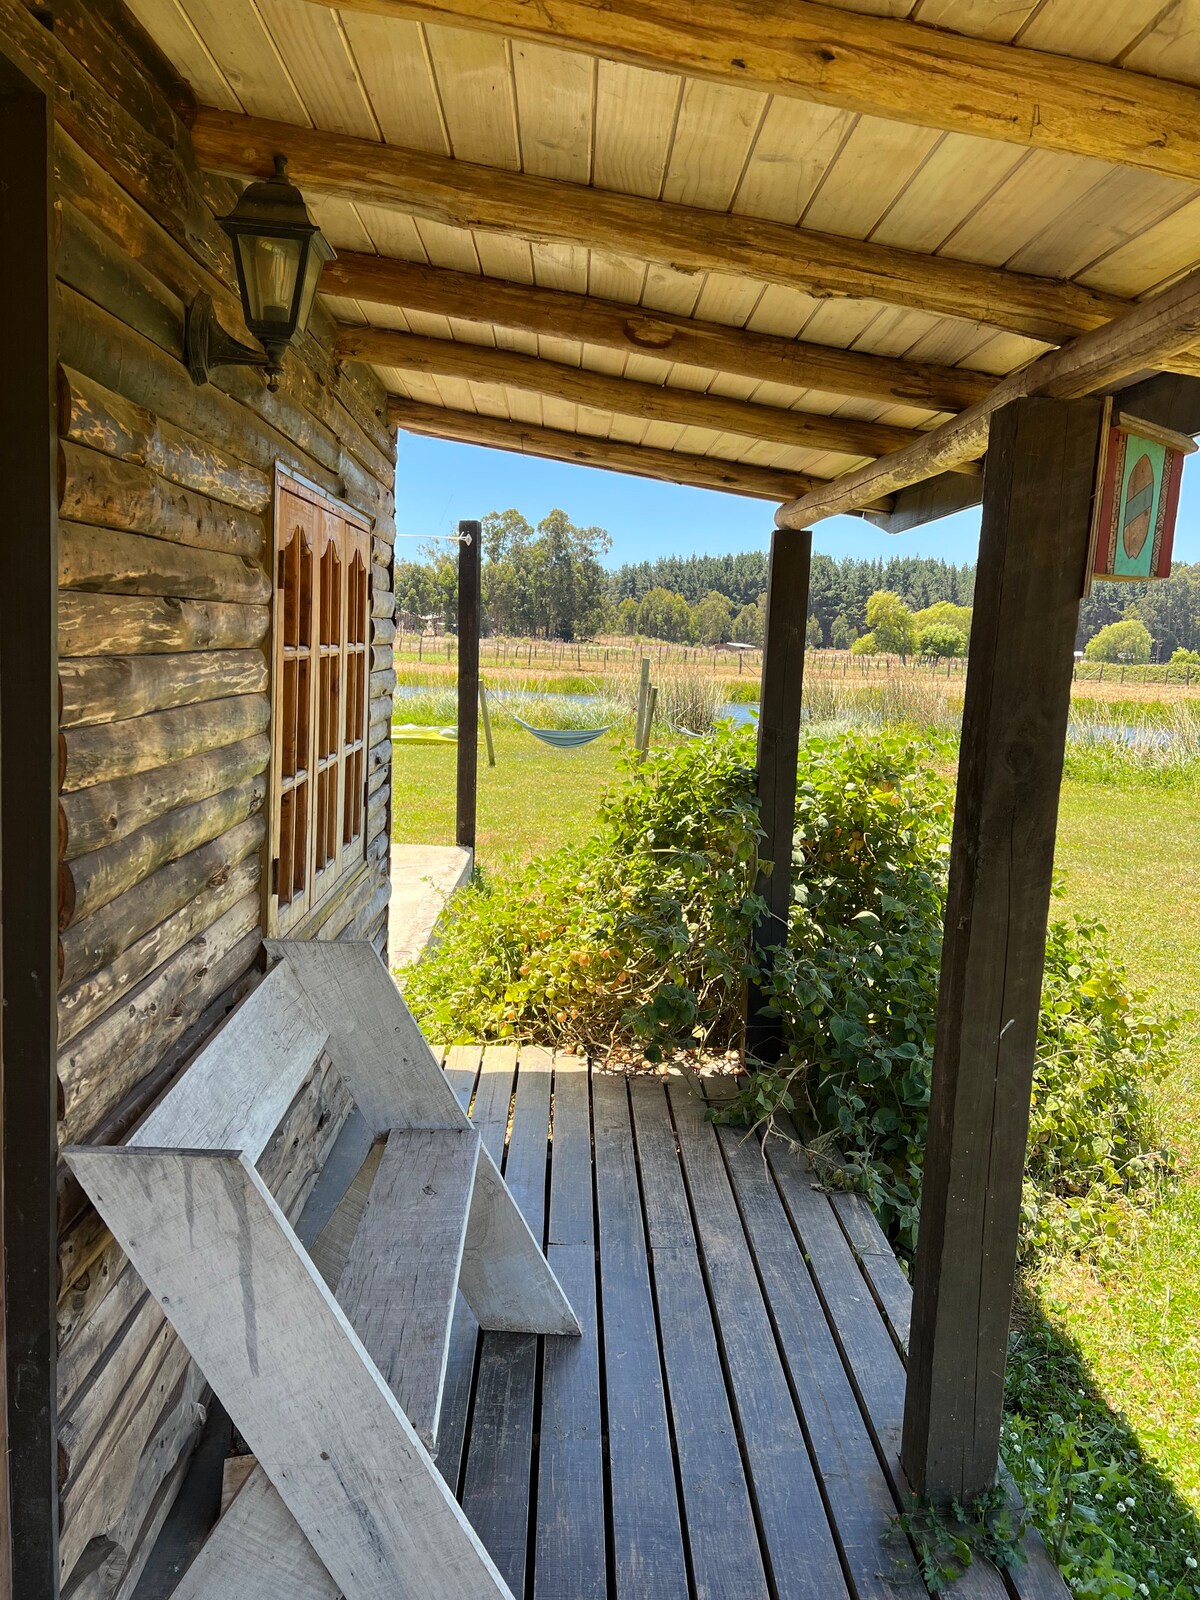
[166, 539]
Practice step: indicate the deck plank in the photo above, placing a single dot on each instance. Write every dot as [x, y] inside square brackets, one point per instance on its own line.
[871, 1358]
[570, 1560]
[800, 1546]
[648, 1548]
[723, 1541]
[859, 1495]
[496, 1484]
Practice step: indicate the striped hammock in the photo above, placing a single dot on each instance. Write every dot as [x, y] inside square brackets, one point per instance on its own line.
[562, 738]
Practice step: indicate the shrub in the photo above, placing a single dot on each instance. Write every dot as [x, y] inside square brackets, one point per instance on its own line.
[940, 640]
[865, 645]
[1127, 642]
[857, 993]
[1185, 658]
[640, 935]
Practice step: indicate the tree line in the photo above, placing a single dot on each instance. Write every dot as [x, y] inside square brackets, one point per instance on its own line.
[549, 581]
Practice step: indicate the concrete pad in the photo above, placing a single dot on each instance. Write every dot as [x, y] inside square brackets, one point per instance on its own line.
[424, 876]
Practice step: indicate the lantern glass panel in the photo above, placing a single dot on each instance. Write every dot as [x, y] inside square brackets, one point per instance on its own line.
[271, 272]
[319, 253]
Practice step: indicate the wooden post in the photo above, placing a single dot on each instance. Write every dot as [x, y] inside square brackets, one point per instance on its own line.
[648, 721]
[778, 752]
[28, 843]
[1036, 508]
[487, 726]
[643, 697]
[470, 578]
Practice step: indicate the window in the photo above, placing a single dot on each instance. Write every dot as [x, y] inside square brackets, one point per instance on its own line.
[320, 679]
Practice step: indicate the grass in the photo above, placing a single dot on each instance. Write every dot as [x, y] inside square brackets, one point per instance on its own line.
[534, 799]
[1130, 853]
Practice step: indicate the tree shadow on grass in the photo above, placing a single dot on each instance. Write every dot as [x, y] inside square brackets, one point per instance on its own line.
[1116, 1524]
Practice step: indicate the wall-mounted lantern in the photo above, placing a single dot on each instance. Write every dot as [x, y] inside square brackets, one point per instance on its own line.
[279, 253]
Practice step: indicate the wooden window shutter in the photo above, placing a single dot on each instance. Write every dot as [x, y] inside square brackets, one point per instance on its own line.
[320, 687]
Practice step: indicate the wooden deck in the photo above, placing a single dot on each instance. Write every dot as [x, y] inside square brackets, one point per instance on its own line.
[729, 1427]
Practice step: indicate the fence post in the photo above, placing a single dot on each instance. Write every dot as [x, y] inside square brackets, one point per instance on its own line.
[470, 575]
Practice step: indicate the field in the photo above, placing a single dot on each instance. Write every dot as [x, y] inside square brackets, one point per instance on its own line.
[1128, 848]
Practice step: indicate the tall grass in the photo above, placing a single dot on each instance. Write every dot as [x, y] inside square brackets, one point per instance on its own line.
[1158, 745]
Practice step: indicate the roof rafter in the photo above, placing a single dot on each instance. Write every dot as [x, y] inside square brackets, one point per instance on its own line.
[584, 450]
[632, 330]
[465, 195]
[886, 67]
[650, 402]
[1143, 339]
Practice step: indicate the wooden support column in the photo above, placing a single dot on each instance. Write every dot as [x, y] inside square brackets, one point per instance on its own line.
[28, 840]
[778, 752]
[470, 579]
[1036, 508]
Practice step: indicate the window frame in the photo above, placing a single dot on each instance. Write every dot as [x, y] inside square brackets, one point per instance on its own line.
[327, 764]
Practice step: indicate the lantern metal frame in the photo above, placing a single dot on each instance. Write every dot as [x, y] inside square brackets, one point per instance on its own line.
[272, 208]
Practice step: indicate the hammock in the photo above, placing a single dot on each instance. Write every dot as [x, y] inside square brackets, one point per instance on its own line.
[416, 733]
[562, 738]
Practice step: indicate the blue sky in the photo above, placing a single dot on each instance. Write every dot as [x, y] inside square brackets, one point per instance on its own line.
[438, 482]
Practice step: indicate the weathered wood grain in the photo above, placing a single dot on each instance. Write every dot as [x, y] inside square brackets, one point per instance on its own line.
[112, 688]
[106, 752]
[95, 817]
[101, 624]
[631, 330]
[723, 1543]
[684, 237]
[244, 1295]
[95, 942]
[652, 402]
[648, 1548]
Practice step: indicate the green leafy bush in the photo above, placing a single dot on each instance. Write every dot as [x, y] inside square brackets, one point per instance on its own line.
[857, 993]
[640, 935]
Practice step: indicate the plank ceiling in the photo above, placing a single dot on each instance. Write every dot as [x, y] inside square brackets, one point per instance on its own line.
[530, 108]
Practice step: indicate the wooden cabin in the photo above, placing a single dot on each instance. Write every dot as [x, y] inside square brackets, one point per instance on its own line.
[890, 257]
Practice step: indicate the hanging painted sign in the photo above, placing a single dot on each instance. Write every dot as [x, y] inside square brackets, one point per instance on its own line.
[1137, 498]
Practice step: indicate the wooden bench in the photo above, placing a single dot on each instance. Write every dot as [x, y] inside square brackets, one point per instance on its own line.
[331, 1363]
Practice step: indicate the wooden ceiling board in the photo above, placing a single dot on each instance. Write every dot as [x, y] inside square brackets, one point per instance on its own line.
[714, 131]
[669, 290]
[960, 173]
[555, 94]
[393, 61]
[1030, 199]
[474, 80]
[1152, 260]
[782, 311]
[445, 246]
[867, 175]
[1094, 30]
[613, 277]
[1171, 49]
[795, 145]
[177, 38]
[635, 124]
[242, 47]
[311, 43]
[728, 300]
[997, 20]
[560, 266]
[504, 255]
[1120, 208]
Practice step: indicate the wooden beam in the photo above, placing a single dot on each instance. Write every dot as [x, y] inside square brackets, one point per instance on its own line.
[648, 402]
[583, 450]
[928, 501]
[877, 65]
[632, 330]
[686, 238]
[1037, 505]
[470, 580]
[29, 1486]
[778, 752]
[1146, 337]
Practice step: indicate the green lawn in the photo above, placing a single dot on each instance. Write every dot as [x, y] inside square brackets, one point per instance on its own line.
[1132, 858]
[535, 798]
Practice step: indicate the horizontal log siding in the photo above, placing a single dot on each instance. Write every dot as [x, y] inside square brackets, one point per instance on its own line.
[165, 504]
